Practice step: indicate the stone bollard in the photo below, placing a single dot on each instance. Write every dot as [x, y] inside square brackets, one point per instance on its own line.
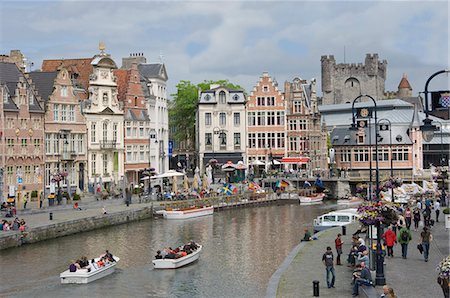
[316, 288]
[344, 230]
[50, 215]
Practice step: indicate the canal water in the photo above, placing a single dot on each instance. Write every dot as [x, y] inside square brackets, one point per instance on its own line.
[242, 249]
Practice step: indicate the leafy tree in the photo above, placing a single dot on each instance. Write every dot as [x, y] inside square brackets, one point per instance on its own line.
[183, 108]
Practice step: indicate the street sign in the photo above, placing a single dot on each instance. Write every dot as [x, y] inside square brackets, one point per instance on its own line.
[170, 148]
[19, 180]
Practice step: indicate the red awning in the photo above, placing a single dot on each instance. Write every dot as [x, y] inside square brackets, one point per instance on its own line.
[295, 159]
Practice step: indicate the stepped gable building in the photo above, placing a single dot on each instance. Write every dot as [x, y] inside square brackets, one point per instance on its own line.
[221, 126]
[65, 130]
[266, 124]
[343, 82]
[137, 123]
[306, 135]
[79, 70]
[21, 135]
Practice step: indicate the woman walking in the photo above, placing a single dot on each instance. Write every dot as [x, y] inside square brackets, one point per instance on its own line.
[390, 239]
[416, 216]
[408, 216]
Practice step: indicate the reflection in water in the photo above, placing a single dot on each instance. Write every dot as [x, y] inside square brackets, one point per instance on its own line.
[242, 249]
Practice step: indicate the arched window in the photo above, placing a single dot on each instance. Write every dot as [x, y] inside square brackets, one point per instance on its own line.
[222, 97]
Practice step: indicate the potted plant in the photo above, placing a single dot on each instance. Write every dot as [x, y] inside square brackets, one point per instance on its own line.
[443, 270]
[34, 195]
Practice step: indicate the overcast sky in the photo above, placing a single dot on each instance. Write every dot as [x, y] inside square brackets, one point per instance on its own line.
[238, 40]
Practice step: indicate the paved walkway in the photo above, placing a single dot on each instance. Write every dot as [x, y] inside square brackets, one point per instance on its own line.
[306, 266]
[414, 277]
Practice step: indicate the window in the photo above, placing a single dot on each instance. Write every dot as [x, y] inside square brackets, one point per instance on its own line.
[280, 140]
[280, 118]
[93, 128]
[293, 124]
[80, 142]
[400, 154]
[293, 144]
[237, 139]
[237, 119]
[261, 140]
[208, 139]
[63, 91]
[261, 119]
[37, 143]
[30, 97]
[345, 155]
[343, 218]
[271, 118]
[141, 152]
[105, 131]
[297, 106]
[115, 132]
[271, 101]
[360, 139]
[93, 163]
[361, 155]
[64, 113]
[223, 139]
[56, 112]
[105, 164]
[27, 174]
[260, 101]
[329, 218]
[72, 113]
[105, 98]
[129, 153]
[251, 119]
[222, 98]
[207, 119]
[222, 119]
[265, 89]
[24, 143]
[252, 140]
[271, 139]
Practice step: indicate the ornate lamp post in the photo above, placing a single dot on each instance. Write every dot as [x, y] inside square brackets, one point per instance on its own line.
[366, 113]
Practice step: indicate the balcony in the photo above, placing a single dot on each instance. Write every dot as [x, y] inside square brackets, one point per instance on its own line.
[108, 144]
[68, 155]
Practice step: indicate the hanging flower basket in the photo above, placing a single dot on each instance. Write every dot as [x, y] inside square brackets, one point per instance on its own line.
[378, 212]
[444, 268]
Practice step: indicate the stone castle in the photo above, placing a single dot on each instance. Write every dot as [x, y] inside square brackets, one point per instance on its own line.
[343, 82]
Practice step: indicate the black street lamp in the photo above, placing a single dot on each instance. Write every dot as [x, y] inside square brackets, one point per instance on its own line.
[366, 113]
[384, 127]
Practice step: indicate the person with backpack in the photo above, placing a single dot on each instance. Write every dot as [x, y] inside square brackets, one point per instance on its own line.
[404, 237]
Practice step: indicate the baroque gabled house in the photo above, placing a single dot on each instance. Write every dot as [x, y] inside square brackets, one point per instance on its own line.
[22, 135]
[266, 124]
[104, 121]
[65, 130]
[306, 134]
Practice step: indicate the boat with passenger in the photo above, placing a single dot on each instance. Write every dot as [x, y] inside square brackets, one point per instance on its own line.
[84, 271]
[316, 198]
[350, 201]
[182, 256]
[335, 219]
[185, 213]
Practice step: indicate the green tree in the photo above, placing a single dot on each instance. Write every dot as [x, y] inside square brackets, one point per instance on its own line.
[183, 108]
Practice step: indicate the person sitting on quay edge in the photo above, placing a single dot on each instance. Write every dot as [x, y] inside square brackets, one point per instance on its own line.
[307, 236]
[363, 257]
[362, 276]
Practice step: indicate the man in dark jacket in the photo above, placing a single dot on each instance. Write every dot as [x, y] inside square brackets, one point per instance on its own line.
[362, 277]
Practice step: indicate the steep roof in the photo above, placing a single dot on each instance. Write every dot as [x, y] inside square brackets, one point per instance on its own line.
[82, 67]
[404, 83]
[122, 83]
[156, 71]
[43, 82]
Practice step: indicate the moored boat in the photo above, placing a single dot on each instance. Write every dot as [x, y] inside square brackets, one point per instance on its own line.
[185, 213]
[335, 219]
[90, 273]
[312, 199]
[350, 201]
[179, 262]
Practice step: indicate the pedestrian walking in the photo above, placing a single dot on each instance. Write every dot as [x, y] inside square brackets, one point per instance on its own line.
[416, 218]
[426, 237]
[427, 216]
[328, 261]
[390, 239]
[408, 217]
[25, 201]
[437, 209]
[404, 237]
[338, 243]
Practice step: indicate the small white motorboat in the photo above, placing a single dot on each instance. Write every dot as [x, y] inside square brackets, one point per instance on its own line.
[350, 201]
[177, 263]
[335, 219]
[89, 274]
[313, 199]
[186, 213]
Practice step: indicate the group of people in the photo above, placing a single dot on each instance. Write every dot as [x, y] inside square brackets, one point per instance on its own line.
[179, 252]
[84, 263]
[16, 225]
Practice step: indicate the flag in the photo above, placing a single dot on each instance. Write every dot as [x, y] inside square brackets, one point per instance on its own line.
[282, 184]
[228, 189]
[253, 186]
[444, 101]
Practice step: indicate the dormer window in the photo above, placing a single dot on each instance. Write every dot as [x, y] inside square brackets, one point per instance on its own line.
[222, 98]
[30, 97]
[265, 89]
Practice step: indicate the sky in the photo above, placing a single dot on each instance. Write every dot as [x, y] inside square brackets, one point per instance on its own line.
[238, 40]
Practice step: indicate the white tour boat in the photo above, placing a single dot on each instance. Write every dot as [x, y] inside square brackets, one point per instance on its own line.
[85, 275]
[185, 213]
[177, 263]
[350, 201]
[335, 219]
[312, 199]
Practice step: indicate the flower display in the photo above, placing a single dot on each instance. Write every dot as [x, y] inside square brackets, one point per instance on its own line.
[391, 183]
[378, 212]
[444, 268]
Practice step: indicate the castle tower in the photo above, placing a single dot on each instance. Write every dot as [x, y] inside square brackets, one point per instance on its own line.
[343, 82]
[404, 88]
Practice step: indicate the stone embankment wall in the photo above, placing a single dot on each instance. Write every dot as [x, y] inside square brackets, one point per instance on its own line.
[73, 226]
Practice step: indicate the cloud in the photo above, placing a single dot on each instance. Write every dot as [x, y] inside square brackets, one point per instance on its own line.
[237, 40]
